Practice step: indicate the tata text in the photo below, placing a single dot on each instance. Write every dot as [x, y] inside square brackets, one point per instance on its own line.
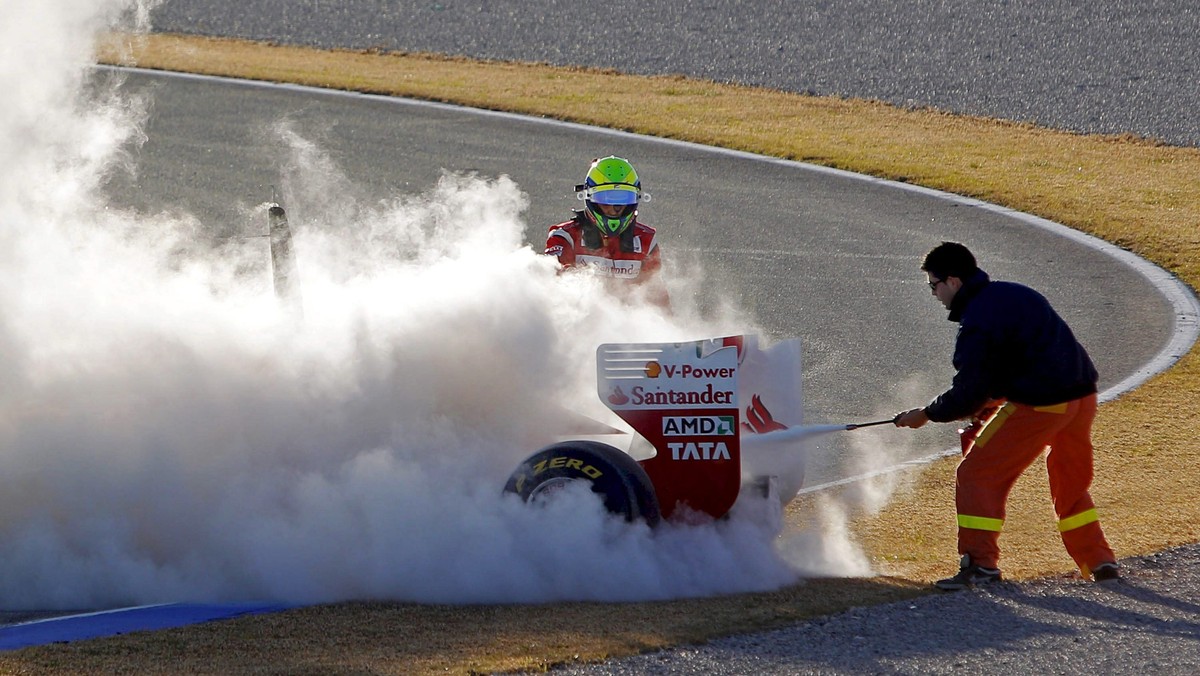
[700, 450]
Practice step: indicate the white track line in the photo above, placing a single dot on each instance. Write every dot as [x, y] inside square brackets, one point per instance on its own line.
[76, 616]
[1183, 301]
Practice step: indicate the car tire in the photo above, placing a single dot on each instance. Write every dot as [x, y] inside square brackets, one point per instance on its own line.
[618, 478]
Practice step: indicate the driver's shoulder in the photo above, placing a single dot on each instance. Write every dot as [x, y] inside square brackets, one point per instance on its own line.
[641, 228]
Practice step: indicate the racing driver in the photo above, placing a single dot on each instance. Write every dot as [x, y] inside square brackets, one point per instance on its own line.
[606, 235]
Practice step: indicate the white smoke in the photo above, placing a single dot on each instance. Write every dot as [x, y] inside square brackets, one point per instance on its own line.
[169, 432]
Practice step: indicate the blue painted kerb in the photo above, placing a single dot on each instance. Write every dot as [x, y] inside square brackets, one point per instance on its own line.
[122, 621]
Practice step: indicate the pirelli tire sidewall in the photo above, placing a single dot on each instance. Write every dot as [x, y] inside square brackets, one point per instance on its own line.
[618, 478]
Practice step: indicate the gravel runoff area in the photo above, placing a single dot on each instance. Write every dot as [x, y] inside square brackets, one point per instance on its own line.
[1108, 66]
[1105, 66]
[1147, 623]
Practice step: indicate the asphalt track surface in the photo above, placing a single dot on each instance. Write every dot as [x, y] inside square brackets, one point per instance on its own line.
[1109, 66]
[824, 256]
[1147, 625]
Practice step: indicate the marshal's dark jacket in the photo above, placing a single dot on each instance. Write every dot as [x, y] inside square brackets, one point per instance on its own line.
[1011, 345]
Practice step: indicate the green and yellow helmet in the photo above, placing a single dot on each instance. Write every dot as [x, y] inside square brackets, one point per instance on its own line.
[611, 181]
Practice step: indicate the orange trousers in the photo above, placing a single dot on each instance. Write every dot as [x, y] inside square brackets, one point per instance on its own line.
[1006, 446]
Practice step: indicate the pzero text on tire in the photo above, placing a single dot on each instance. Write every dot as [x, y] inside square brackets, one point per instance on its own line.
[618, 478]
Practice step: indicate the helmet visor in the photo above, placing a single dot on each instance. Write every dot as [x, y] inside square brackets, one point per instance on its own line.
[613, 193]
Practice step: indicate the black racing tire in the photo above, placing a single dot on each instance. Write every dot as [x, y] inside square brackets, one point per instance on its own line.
[618, 478]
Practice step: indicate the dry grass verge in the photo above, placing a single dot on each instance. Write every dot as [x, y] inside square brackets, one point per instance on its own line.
[391, 638]
[1133, 192]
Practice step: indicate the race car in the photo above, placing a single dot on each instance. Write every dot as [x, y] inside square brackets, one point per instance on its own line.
[710, 420]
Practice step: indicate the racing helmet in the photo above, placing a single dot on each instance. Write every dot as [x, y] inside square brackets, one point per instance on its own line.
[611, 181]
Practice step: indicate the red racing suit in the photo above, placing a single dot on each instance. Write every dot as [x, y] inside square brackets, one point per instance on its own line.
[1014, 349]
[632, 256]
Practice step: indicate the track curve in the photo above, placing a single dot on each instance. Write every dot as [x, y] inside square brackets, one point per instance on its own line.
[828, 256]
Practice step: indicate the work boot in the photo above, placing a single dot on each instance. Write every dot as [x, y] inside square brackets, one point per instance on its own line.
[969, 575]
[1106, 572]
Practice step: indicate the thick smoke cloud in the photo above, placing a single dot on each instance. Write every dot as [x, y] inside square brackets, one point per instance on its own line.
[169, 431]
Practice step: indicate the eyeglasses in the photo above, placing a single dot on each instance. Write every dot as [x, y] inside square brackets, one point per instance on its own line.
[934, 284]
